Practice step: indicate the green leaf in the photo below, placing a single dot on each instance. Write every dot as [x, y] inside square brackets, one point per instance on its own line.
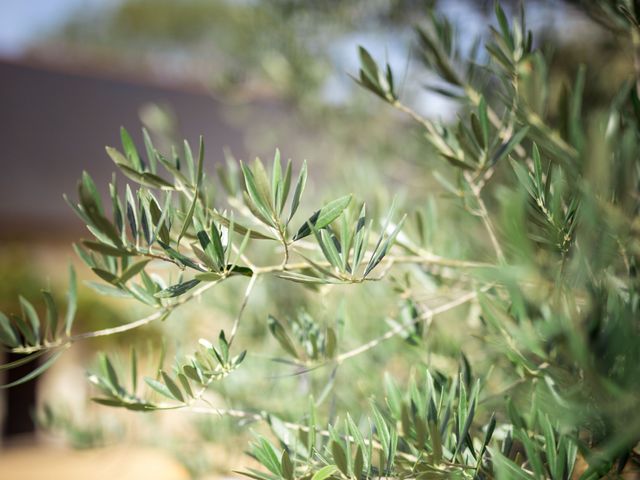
[266, 454]
[161, 219]
[537, 170]
[134, 370]
[239, 270]
[238, 228]
[456, 162]
[324, 472]
[24, 329]
[255, 193]
[108, 402]
[132, 214]
[35, 373]
[22, 361]
[108, 290]
[324, 216]
[340, 458]
[117, 157]
[507, 469]
[158, 217]
[133, 270]
[360, 238]
[504, 25]
[477, 131]
[30, 313]
[111, 374]
[523, 177]
[436, 442]
[147, 179]
[381, 428]
[467, 424]
[72, 300]
[284, 191]
[326, 242]
[105, 275]
[89, 193]
[287, 466]
[256, 474]
[280, 334]
[208, 276]
[487, 438]
[152, 155]
[218, 249]
[193, 373]
[105, 249]
[380, 253]
[159, 387]
[174, 254]
[85, 256]
[550, 443]
[178, 289]
[171, 385]
[371, 78]
[301, 278]
[184, 381]
[202, 256]
[188, 156]
[8, 335]
[297, 194]
[330, 343]
[52, 314]
[91, 211]
[533, 454]
[436, 58]
[117, 212]
[262, 183]
[484, 120]
[196, 193]
[368, 64]
[358, 463]
[276, 179]
[130, 149]
[173, 167]
[508, 147]
[355, 432]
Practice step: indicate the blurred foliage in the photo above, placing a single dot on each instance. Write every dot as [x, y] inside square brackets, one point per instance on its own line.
[22, 278]
[492, 332]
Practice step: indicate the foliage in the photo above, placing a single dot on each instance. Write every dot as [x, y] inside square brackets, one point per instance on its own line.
[547, 387]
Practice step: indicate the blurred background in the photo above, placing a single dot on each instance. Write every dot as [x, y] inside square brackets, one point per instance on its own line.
[251, 76]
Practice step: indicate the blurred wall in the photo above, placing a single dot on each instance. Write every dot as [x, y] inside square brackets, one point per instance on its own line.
[54, 124]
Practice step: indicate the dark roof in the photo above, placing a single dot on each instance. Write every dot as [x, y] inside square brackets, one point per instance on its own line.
[54, 124]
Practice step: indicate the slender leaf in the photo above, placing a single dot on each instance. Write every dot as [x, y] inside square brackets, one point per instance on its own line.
[324, 216]
[72, 300]
[8, 335]
[35, 373]
[178, 289]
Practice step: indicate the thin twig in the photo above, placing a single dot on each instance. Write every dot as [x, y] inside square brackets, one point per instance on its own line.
[444, 147]
[245, 300]
[119, 329]
[484, 216]
[402, 328]
[424, 258]
[428, 125]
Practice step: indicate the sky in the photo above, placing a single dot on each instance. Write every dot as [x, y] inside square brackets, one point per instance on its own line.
[23, 21]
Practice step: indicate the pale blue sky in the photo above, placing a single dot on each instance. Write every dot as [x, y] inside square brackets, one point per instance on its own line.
[22, 21]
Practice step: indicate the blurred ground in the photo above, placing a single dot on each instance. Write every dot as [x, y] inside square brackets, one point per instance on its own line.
[124, 462]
